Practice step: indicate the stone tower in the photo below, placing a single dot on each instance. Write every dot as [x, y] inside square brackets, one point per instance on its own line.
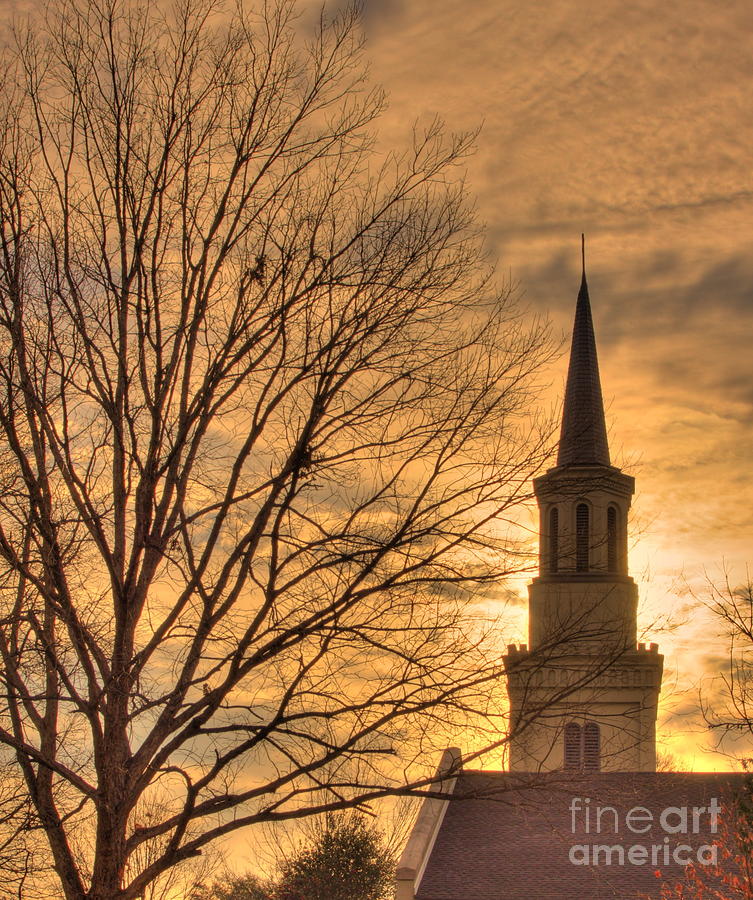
[583, 694]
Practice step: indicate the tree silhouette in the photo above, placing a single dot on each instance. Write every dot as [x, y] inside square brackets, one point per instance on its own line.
[728, 712]
[241, 887]
[21, 850]
[264, 418]
[731, 710]
[347, 861]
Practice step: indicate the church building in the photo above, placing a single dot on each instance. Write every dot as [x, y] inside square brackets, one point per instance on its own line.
[579, 810]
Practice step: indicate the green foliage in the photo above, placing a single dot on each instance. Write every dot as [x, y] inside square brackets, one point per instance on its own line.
[244, 887]
[347, 861]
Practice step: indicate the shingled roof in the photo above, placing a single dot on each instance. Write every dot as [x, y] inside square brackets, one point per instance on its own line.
[503, 838]
[583, 439]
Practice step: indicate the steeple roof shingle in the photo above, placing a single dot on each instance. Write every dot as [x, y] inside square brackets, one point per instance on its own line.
[583, 439]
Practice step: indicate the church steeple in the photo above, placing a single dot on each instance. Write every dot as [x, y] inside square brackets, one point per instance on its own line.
[583, 692]
[583, 439]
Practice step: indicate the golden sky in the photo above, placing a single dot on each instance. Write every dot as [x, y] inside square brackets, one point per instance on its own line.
[632, 123]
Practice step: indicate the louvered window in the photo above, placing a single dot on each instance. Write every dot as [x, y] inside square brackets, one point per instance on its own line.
[554, 539]
[582, 749]
[612, 539]
[591, 747]
[573, 749]
[581, 538]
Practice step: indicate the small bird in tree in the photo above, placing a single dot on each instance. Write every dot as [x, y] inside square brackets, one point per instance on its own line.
[256, 272]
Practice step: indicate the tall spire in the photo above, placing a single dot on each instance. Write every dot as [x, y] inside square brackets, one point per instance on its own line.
[583, 439]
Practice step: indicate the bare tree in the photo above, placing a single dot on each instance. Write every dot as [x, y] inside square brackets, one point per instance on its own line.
[727, 705]
[22, 857]
[264, 418]
[177, 881]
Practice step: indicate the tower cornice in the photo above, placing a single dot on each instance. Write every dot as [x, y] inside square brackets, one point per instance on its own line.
[564, 481]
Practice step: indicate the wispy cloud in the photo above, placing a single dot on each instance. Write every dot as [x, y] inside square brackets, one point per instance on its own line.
[633, 123]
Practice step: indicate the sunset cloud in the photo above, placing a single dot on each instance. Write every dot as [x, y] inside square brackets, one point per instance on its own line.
[633, 124]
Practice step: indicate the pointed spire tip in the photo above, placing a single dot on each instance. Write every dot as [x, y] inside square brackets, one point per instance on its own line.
[583, 293]
[583, 439]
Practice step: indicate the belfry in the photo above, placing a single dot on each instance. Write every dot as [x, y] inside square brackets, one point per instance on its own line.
[583, 693]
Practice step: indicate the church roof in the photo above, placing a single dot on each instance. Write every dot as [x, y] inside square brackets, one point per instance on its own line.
[583, 439]
[512, 840]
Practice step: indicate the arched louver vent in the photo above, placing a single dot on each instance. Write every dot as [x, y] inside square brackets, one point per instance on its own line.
[573, 746]
[554, 539]
[612, 557]
[581, 538]
[582, 749]
[591, 747]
